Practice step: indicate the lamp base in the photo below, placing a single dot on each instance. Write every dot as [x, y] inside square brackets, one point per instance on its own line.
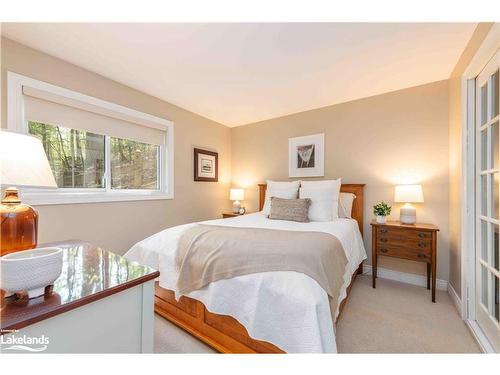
[19, 226]
[408, 214]
[236, 207]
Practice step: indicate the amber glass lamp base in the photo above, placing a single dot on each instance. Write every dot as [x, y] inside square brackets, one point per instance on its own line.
[19, 224]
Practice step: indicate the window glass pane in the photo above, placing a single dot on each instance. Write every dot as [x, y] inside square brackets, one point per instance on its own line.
[484, 286]
[484, 240]
[134, 165]
[496, 252]
[484, 195]
[484, 104]
[484, 149]
[76, 157]
[494, 145]
[494, 104]
[496, 298]
[494, 242]
[494, 198]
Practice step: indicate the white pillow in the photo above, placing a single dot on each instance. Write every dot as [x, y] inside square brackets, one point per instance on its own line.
[280, 189]
[324, 197]
[323, 203]
[345, 204]
[322, 184]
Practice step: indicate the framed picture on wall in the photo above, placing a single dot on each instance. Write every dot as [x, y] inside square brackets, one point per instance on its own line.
[306, 156]
[206, 165]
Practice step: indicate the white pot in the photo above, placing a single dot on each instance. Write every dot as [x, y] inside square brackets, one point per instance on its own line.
[381, 219]
[31, 270]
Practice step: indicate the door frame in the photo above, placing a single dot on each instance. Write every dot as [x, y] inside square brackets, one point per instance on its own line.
[486, 51]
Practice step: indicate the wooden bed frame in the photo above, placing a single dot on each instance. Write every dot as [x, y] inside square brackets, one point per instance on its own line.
[222, 332]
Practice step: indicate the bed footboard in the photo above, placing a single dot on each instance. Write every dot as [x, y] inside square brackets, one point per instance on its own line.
[223, 333]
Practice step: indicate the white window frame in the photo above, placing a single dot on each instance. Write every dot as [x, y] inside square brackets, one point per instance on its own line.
[16, 122]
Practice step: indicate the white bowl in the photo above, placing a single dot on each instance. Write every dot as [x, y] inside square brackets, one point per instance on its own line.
[30, 270]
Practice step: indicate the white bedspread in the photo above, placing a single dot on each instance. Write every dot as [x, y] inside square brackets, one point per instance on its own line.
[288, 309]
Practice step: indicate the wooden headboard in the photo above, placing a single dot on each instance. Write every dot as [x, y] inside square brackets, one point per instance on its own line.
[357, 205]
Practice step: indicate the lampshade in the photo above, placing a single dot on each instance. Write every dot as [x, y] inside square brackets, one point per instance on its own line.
[23, 161]
[236, 195]
[408, 194]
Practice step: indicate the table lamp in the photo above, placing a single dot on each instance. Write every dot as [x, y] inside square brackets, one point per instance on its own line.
[236, 195]
[23, 163]
[408, 194]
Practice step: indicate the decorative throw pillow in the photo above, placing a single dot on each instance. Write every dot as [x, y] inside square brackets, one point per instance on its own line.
[280, 189]
[290, 209]
[345, 205]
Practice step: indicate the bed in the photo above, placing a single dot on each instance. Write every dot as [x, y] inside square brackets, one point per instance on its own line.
[269, 312]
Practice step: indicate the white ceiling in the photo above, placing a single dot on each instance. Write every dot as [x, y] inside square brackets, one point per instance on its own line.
[237, 74]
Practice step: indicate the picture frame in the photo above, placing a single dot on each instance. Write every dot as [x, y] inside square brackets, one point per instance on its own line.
[206, 165]
[306, 156]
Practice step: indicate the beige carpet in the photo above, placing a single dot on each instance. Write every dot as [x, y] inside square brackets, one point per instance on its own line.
[400, 318]
[394, 318]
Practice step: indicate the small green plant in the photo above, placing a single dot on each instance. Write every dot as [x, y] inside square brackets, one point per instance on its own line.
[382, 209]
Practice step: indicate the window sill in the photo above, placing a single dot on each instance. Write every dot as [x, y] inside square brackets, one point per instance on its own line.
[46, 199]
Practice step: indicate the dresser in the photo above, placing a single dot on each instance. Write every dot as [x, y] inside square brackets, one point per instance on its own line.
[101, 303]
[417, 242]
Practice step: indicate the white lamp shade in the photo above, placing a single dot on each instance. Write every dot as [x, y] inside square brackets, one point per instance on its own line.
[408, 194]
[236, 195]
[23, 161]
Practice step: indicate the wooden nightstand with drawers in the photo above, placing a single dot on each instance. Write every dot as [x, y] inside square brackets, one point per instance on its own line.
[226, 215]
[416, 242]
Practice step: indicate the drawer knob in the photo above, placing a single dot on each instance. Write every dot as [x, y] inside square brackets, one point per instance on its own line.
[422, 244]
[383, 250]
[421, 255]
[383, 230]
[383, 240]
[422, 235]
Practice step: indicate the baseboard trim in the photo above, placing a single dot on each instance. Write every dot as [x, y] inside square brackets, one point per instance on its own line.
[455, 298]
[408, 278]
[480, 337]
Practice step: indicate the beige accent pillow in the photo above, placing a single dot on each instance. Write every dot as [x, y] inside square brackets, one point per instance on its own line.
[290, 209]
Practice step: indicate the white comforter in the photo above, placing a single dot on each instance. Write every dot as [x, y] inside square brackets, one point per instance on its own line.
[288, 309]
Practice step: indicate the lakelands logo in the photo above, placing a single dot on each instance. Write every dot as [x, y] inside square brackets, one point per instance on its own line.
[25, 343]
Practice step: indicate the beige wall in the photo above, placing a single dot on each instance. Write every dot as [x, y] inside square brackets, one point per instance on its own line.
[380, 141]
[455, 140]
[119, 225]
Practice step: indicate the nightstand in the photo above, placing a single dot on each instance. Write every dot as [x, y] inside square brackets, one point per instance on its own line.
[416, 242]
[226, 215]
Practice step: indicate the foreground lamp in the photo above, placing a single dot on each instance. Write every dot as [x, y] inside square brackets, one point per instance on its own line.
[236, 195]
[23, 163]
[408, 194]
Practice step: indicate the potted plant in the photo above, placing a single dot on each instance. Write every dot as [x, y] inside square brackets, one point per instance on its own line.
[381, 211]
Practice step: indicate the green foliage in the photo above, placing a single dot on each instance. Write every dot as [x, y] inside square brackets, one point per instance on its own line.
[77, 158]
[382, 209]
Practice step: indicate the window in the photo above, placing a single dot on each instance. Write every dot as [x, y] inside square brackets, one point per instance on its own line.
[134, 165]
[98, 151]
[76, 157]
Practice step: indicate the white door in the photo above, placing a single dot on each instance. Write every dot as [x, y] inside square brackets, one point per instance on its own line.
[487, 201]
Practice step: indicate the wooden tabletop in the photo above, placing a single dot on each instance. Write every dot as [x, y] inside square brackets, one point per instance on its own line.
[88, 274]
[417, 226]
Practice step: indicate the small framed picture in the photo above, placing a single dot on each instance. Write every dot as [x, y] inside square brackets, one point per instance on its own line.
[206, 165]
[306, 156]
